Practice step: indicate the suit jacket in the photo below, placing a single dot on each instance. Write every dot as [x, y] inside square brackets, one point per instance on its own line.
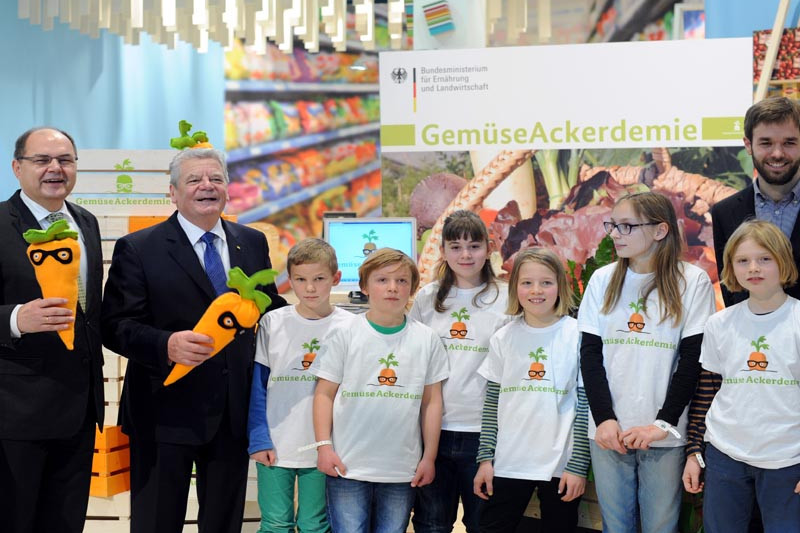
[44, 388]
[726, 217]
[157, 286]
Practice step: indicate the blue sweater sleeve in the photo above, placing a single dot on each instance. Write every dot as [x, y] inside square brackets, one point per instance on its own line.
[257, 428]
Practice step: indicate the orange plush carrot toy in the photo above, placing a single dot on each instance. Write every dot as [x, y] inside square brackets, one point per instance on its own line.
[231, 314]
[56, 258]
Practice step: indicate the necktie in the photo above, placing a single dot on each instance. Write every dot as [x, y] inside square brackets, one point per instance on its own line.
[215, 270]
[54, 217]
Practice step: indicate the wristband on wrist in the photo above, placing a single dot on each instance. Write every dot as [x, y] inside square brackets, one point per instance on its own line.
[699, 457]
[669, 428]
[314, 445]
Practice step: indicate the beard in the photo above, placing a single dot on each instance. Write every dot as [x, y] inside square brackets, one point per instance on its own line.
[768, 174]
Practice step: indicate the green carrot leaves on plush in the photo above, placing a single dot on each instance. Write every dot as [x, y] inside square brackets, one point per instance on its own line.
[198, 139]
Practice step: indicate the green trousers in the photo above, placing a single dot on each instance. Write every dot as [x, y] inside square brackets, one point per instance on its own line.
[276, 500]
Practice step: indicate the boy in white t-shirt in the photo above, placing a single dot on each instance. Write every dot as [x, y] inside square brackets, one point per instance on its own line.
[279, 424]
[378, 404]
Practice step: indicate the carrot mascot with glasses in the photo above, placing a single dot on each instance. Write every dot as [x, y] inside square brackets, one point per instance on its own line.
[750, 436]
[641, 320]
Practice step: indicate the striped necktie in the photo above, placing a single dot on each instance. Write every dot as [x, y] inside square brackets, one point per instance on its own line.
[54, 217]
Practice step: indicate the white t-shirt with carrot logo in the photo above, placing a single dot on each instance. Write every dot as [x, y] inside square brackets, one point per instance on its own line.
[640, 353]
[539, 373]
[465, 329]
[755, 416]
[287, 344]
[376, 411]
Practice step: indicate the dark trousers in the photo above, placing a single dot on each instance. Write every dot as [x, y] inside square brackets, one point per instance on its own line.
[436, 505]
[44, 484]
[506, 507]
[161, 474]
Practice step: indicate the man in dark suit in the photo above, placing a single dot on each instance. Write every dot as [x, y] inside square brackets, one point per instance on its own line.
[772, 138]
[161, 281]
[51, 398]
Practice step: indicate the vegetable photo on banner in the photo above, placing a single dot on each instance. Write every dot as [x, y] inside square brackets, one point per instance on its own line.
[231, 314]
[56, 257]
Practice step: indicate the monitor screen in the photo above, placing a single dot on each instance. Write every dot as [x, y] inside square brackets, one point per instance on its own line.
[355, 238]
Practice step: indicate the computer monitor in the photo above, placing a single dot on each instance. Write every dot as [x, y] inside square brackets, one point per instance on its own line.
[355, 238]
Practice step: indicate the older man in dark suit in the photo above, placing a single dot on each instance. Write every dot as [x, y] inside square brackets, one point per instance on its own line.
[161, 281]
[51, 398]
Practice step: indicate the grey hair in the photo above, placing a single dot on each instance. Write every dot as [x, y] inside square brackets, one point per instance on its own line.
[196, 153]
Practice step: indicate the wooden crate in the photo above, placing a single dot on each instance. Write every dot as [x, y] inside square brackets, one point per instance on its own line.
[110, 485]
[110, 463]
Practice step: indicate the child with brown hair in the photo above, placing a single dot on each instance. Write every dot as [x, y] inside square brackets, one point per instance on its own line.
[378, 403]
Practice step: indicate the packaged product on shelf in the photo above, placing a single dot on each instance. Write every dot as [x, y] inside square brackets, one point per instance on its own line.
[334, 199]
[242, 196]
[314, 162]
[372, 107]
[241, 120]
[359, 194]
[327, 65]
[231, 130]
[279, 179]
[287, 119]
[342, 158]
[278, 250]
[313, 117]
[261, 122]
[235, 68]
[337, 111]
[375, 188]
[366, 150]
[305, 68]
[357, 114]
[298, 169]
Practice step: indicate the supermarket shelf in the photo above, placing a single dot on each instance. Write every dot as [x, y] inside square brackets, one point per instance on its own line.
[264, 86]
[303, 141]
[269, 208]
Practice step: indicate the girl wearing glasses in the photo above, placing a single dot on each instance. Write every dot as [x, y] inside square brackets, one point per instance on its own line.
[642, 322]
[465, 306]
[752, 429]
[533, 435]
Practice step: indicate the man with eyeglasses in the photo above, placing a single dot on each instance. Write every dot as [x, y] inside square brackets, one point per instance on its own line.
[51, 398]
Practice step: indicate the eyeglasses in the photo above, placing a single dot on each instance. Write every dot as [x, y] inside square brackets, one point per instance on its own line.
[534, 373]
[45, 160]
[384, 379]
[458, 333]
[753, 364]
[624, 228]
[636, 325]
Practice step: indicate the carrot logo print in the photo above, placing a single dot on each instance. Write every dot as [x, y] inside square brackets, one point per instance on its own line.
[537, 370]
[636, 320]
[312, 346]
[758, 360]
[370, 246]
[387, 375]
[459, 329]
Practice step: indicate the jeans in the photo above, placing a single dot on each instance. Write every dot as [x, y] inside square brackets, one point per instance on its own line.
[276, 500]
[506, 507]
[368, 507]
[645, 483]
[436, 505]
[732, 487]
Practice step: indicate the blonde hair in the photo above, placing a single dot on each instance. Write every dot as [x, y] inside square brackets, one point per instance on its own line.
[312, 250]
[768, 236]
[547, 258]
[654, 208]
[384, 257]
[463, 224]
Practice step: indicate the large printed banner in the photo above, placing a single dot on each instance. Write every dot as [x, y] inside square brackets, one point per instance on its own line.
[542, 141]
[616, 95]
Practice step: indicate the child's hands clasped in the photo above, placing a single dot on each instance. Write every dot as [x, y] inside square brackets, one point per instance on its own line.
[609, 436]
[328, 461]
[265, 457]
[640, 437]
[426, 471]
[483, 478]
[571, 486]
